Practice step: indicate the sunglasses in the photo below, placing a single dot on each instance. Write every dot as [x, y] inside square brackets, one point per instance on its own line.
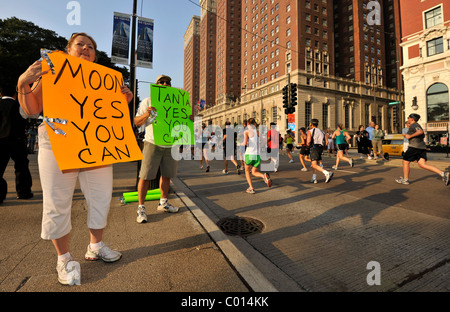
[164, 82]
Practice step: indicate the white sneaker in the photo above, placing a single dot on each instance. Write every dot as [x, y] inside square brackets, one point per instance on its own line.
[328, 177]
[368, 157]
[313, 181]
[141, 215]
[291, 161]
[167, 207]
[334, 167]
[304, 169]
[351, 162]
[224, 171]
[69, 272]
[104, 253]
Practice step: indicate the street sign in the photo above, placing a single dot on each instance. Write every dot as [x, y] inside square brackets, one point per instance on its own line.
[394, 103]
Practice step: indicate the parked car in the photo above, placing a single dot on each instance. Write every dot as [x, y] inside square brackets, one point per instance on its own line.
[392, 145]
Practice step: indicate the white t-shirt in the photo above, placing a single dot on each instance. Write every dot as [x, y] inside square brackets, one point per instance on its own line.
[146, 103]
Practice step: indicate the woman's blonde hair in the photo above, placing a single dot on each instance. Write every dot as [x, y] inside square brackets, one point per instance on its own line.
[75, 35]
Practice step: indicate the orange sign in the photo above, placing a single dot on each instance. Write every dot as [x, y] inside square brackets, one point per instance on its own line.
[95, 128]
[291, 118]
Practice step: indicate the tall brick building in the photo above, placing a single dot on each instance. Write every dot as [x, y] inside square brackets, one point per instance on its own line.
[192, 59]
[337, 58]
[426, 68]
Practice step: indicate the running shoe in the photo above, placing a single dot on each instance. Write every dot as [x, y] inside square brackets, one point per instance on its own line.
[141, 215]
[351, 162]
[207, 168]
[267, 179]
[328, 176]
[104, 253]
[402, 180]
[446, 178]
[238, 169]
[291, 161]
[225, 171]
[313, 181]
[334, 167]
[304, 169]
[69, 272]
[250, 191]
[167, 207]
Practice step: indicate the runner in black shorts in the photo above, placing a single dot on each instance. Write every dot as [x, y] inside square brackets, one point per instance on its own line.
[417, 152]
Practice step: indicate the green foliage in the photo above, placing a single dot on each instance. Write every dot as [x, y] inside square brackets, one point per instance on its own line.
[20, 44]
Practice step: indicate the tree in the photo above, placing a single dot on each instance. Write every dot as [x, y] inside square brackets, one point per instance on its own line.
[20, 44]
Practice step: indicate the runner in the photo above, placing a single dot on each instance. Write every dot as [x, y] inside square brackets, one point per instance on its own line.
[304, 149]
[314, 141]
[252, 158]
[417, 152]
[342, 138]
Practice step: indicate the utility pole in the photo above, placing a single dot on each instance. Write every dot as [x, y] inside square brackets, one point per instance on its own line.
[132, 105]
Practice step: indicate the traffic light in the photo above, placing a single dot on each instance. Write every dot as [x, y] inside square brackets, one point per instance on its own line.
[285, 97]
[293, 94]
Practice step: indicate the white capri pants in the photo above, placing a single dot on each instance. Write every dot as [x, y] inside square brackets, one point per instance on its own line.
[58, 188]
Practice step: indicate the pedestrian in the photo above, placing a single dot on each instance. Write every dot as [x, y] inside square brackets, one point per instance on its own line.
[206, 137]
[229, 147]
[213, 141]
[156, 157]
[342, 138]
[377, 142]
[240, 143]
[369, 130]
[330, 146]
[273, 145]
[252, 158]
[289, 139]
[315, 137]
[13, 144]
[304, 149]
[362, 137]
[417, 152]
[58, 186]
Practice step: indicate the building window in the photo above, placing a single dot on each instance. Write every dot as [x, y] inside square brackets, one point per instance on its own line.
[433, 17]
[325, 116]
[367, 114]
[437, 102]
[307, 114]
[347, 116]
[274, 114]
[435, 46]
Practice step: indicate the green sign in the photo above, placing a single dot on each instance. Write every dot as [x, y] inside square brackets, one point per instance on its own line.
[173, 125]
[394, 103]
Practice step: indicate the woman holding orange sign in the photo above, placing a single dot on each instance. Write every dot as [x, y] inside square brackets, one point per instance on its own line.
[58, 186]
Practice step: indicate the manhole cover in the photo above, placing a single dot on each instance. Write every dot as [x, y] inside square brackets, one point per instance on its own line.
[240, 226]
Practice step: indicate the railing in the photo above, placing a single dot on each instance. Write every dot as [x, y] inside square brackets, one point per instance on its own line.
[437, 126]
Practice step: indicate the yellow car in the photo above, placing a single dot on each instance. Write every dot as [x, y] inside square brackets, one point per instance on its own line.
[392, 145]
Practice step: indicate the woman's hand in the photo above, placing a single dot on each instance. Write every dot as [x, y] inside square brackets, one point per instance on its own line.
[32, 74]
[124, 89]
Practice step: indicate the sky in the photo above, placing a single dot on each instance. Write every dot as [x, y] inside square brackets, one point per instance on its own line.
[171, 19]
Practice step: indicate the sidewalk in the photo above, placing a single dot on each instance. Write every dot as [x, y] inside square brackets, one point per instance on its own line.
[170, 253]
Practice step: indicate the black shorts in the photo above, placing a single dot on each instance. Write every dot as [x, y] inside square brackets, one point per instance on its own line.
[316, 153]
[304, 150]
[290, 147]
[413, 154]
[342, 147]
